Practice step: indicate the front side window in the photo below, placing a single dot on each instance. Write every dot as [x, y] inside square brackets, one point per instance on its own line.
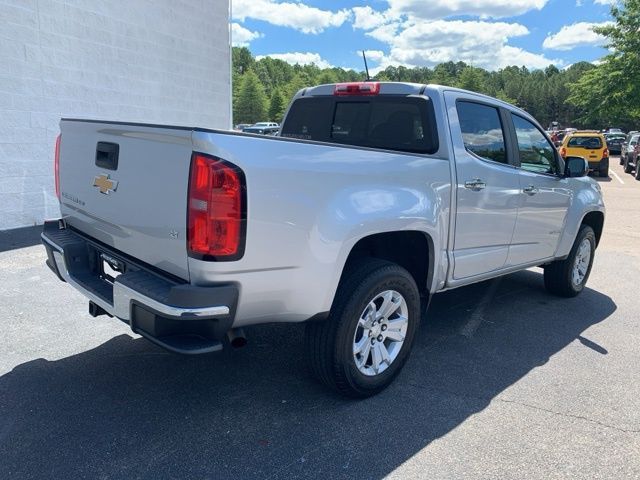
[482, 131]
[536, 153]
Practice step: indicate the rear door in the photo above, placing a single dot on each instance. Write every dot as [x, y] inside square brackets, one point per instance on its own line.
[545, 196]
[126, 186]
[487, 188]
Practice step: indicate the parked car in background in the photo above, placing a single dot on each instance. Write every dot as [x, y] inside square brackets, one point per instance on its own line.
[614, 142]
[624, 149]
[241, 126]
[614, 130]
[636, 158]
[631, 157]
[263, 128]
[590, 145]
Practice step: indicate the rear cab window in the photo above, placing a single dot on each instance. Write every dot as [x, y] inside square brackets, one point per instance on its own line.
[389, 122]
[585, 142]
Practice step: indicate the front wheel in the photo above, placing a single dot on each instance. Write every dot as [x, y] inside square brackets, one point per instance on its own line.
[568, 277]
[627, 167]
[366, 340]
[637, 168]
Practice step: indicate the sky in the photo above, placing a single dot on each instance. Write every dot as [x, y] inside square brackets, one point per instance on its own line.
[490, 34]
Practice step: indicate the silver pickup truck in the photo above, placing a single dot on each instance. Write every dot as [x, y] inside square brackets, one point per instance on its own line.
[374, 197]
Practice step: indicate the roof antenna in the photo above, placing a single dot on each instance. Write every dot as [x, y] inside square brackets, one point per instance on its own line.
[366, 67]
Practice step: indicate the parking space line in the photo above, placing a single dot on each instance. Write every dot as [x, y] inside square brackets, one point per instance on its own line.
[617, 177]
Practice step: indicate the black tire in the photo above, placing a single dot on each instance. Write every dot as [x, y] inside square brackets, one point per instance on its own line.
[637, 169]
[558, 275]
[627, 167]
[329, 343]
[603, 171]
[621, 159]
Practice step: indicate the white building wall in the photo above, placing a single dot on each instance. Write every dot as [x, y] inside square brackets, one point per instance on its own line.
[156, 61]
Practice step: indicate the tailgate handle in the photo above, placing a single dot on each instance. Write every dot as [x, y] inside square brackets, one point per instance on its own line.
[107, 155]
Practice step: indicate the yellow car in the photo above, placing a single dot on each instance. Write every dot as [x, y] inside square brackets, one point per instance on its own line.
[592, 146]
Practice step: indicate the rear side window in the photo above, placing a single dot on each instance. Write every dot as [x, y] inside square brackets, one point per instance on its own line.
[482, 131]
[399, 123]
[585, 142]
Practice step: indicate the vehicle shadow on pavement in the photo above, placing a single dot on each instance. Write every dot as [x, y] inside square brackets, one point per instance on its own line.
[127, 409]
[20, 238]
[598, 178]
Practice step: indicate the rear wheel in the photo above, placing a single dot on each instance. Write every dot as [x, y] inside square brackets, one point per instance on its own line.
[637, 169]
[627, 167]
[568, 277]
[603, 170]
[366, 340]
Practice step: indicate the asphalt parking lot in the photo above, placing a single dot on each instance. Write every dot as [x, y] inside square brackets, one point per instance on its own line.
[505, 381]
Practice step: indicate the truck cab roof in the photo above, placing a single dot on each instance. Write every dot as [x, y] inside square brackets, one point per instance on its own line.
[393, 88]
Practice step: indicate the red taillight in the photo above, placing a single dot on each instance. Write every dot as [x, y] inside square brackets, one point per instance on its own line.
[217, 209]
[56, 167]
[357, 88]
[563, 152]
[605, 154]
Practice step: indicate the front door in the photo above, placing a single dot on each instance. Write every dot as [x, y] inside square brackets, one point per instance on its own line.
[487, 189]
[545, 197]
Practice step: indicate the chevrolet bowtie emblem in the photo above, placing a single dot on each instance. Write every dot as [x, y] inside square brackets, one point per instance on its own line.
[105, 185]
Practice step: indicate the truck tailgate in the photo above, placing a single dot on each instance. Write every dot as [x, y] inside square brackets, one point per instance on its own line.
[135, 203]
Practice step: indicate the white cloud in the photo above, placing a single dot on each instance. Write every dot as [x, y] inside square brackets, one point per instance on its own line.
[367, 18]
[242, 37]
[430, 9]
[574, 35]
[605, 2]
[293, 15]
[479, 43]
[300, 58]
[372, 55]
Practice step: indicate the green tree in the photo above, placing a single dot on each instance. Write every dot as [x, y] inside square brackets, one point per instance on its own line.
[543, 93]
[299, 81]
[610, 93]
[276, 107]
[327, 76]
[472, 78]
[241, 59]
[251, 102]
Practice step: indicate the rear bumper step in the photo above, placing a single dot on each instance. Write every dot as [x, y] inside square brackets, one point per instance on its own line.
[177, 316]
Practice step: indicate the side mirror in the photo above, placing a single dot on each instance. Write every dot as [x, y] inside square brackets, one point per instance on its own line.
[575, 167]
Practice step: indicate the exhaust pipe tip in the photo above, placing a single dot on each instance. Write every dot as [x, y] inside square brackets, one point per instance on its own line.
[96, 310]
[237, 338]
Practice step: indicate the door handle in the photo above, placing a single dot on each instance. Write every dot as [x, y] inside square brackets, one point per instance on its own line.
[530, 190]
[475, 184]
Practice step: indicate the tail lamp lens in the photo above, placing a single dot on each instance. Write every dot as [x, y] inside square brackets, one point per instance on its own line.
[217, 209]
[605, 154]
[56, 167]
[563, 152]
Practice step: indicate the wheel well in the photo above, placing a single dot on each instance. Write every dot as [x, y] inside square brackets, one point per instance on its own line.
[410, 249]
[596, 221]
